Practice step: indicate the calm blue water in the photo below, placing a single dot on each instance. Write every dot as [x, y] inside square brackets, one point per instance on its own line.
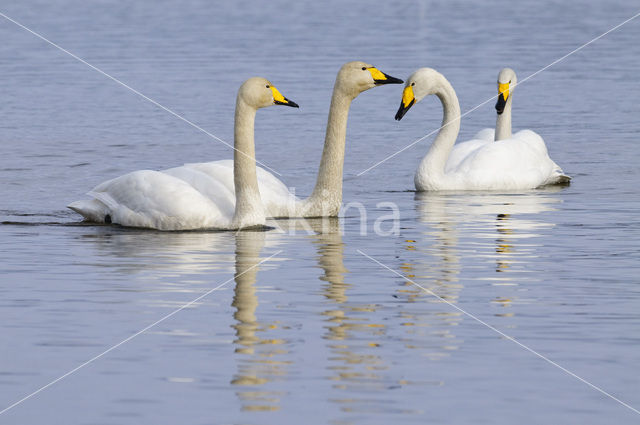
[318, 333]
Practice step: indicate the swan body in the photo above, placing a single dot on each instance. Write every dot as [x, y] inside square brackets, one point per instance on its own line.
[187, 198]
[326, 198]
[519, 162]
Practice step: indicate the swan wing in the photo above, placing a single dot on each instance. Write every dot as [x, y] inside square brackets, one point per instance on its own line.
[208, 186]
[275, 194]
[461, 151]
[157, 200]
[534, 140]
[511, 164]
[487, 134]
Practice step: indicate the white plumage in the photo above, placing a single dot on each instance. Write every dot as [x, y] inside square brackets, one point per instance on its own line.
[353, 78]
[194, 196]
[517, 163]
[208, 188]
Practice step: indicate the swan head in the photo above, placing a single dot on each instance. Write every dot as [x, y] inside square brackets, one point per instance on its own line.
[260, 93]
[420, 84]
[356, 77]
[506, 82]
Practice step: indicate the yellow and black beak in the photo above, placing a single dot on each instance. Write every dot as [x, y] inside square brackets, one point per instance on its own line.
[380, 77]
[408, 100]
[279, 99]
[503, 95]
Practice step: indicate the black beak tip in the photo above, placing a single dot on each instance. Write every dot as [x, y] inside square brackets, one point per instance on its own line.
[388, 80]
[500, 104]
[402, 110]
[287, 102]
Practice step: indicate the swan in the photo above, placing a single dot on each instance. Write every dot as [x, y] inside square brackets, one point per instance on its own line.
[507, 81]
[353, 78]
[185, 198]
[518, 163]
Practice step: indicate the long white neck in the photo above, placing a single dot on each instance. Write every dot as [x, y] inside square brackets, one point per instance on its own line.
[503, 122]
[327, 194]
[433, 163]
[249, 210]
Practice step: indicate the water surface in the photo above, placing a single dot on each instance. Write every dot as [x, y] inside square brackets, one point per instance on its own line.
[318, 331]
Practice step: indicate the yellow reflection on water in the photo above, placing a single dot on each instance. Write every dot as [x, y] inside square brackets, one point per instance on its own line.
[354, 338]
[259, 353]
[500, 228]
[433, 262]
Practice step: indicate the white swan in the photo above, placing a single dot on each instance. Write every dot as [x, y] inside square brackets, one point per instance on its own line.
[326, 198]
[507, 80]
[519, 163]
[184, 198]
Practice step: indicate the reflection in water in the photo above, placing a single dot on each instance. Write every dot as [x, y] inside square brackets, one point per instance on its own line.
[164, 258]
[160, 254]
[435, 268]
[184, 262]
[353, 338]
[507, 222]
[260, 357]
[504, 252]
[503, 243]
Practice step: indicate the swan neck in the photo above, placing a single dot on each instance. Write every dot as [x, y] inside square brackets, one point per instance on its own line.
[249, 210]
[503, 123]
[327, 193]
[438, 154]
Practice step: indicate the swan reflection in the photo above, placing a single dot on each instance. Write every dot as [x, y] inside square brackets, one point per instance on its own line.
[353, 335]
[261, 356]
[156, 255]
[161, 262]
[499, 229]
[433, 263]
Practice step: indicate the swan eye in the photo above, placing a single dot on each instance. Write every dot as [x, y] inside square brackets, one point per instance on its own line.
[268, 86]
[413, 84]
[364, 68]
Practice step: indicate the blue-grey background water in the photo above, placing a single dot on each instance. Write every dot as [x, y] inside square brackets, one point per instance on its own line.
[318, 333]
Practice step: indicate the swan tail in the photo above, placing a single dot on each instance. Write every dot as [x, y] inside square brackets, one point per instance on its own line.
[92, 210]
[561, 179]
[558, 177]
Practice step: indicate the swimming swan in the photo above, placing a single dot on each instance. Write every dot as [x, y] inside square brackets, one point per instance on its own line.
[184, 198]
[326, 198]
[519, 163]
